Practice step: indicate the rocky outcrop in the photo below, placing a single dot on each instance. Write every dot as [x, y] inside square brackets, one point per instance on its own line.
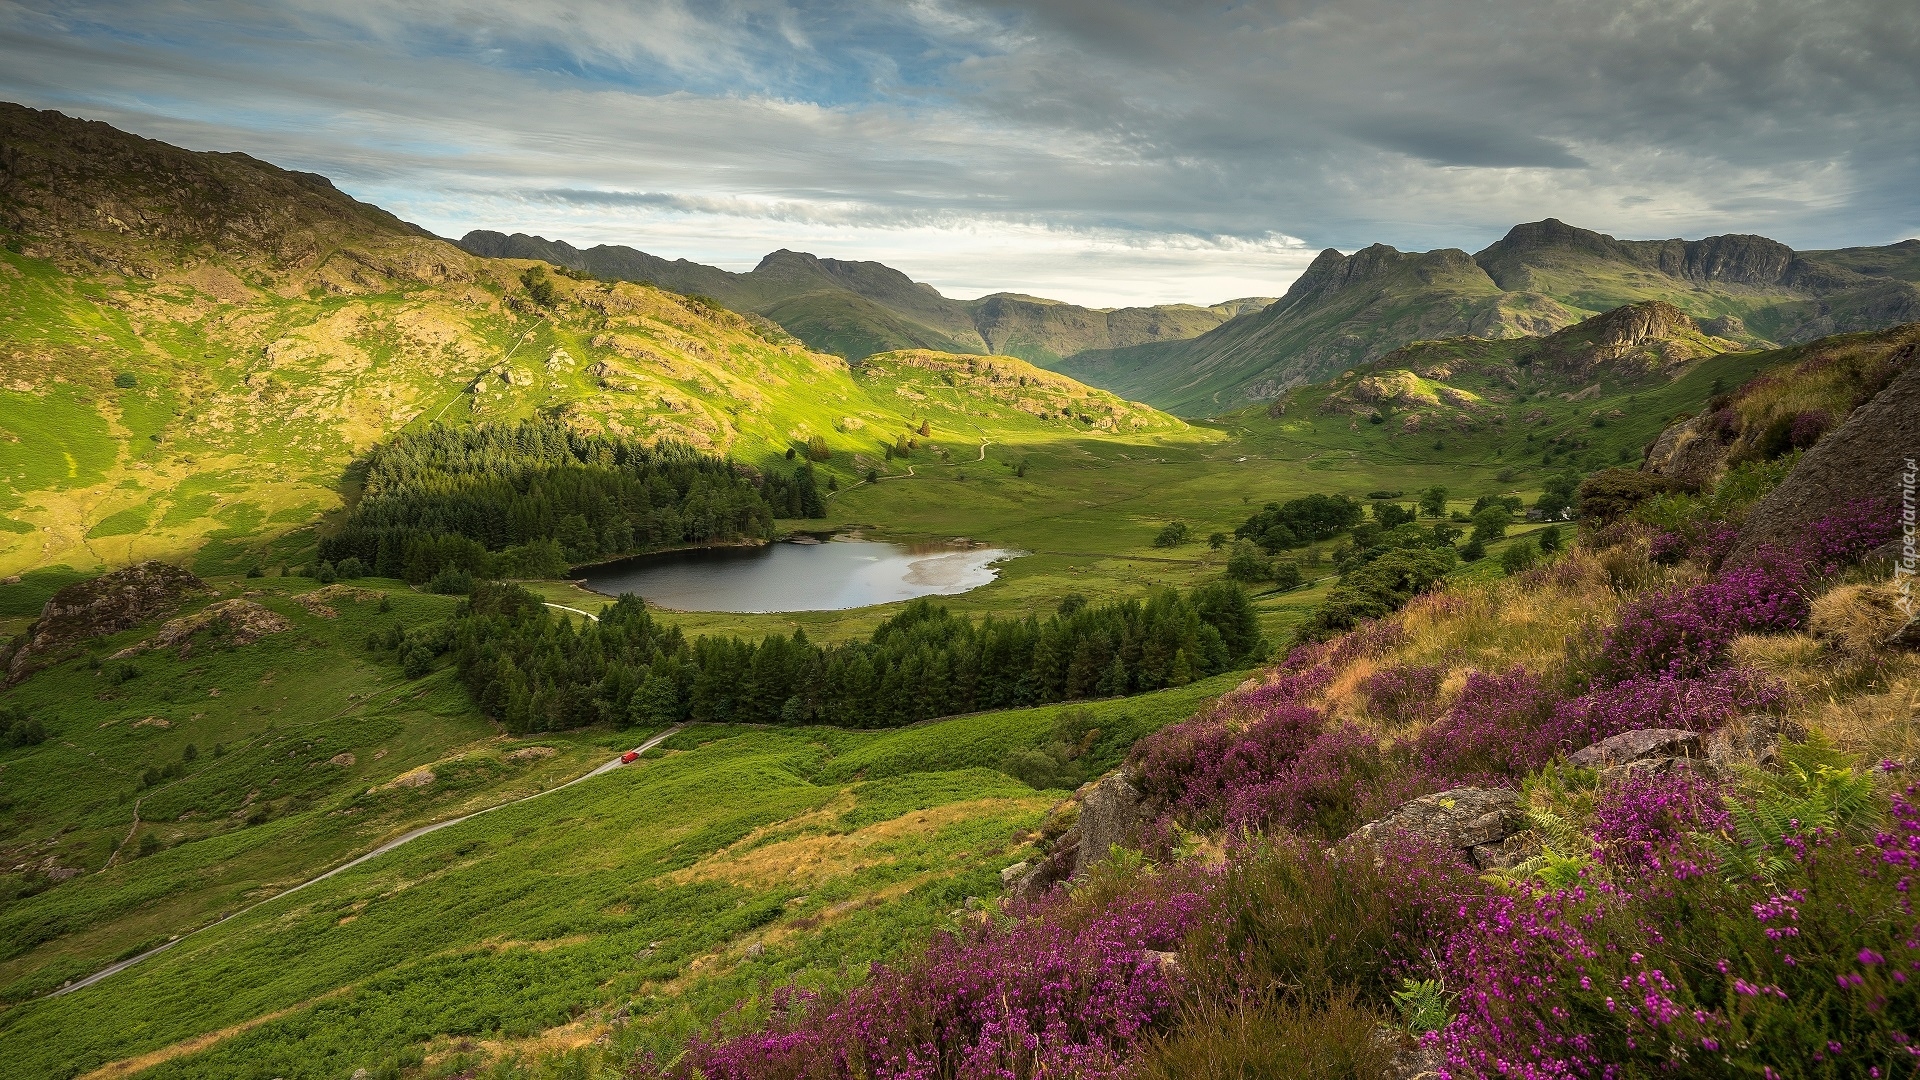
[1861, 462]
[1487, 825]
[1645, 751]
[1689, 452]
[104, 605]
[234, 622]
[1110, 815]
[1750, 741]
[1103, 814]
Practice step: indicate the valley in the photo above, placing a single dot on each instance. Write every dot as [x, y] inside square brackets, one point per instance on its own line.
[295, 497]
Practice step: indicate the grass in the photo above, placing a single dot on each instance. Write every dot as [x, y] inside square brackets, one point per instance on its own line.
[824, 847]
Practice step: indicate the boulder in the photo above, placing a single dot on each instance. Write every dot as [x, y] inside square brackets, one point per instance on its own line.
[1103, 813]
[103, 605]
[1110, 814]
[1477, 822]
[1689, 452]
[1646, 750]
[1861, 461]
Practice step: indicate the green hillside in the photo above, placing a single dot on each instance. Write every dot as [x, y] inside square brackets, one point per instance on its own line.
[203, 384]
[1354, 309]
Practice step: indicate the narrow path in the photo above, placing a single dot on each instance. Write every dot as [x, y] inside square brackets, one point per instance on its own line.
[576, 611]
[134, 828]
[949, 464]
[404, 838]
[483, 372]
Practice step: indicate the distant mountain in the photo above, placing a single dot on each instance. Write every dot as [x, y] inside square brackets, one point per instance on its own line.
[855, 309]
[1350, 309]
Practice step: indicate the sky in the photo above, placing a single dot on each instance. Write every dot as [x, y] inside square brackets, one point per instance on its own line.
[1104, 152]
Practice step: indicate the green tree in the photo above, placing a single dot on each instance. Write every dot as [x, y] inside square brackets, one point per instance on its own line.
[1247, 562]
[1433, 501]
[1173, 535]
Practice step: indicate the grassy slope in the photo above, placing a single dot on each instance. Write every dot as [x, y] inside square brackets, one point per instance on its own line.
[246, 414]
[829, 847]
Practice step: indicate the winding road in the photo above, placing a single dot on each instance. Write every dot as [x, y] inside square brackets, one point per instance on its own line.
[404, 838]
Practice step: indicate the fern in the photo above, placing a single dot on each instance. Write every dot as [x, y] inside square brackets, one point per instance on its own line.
[1423, 1005]
[1566, 850]
[1816, 789]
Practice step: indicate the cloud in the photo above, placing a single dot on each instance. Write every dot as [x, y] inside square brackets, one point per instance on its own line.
[978, 141]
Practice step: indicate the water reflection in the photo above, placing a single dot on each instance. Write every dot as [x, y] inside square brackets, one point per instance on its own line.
[817, 576]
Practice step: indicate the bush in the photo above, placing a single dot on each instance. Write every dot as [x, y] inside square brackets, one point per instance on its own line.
[326, 574]
[1274, 1037]
[1519, 557]
[126, 380]
[1286, 574]
[349, 568]
[1173, 535]
[1611, 494]
[817, 449]
[1674, 968]
[1433, 501]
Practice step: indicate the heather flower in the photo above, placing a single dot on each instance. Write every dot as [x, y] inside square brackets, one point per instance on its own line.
[1663, 701]
[1493, 729]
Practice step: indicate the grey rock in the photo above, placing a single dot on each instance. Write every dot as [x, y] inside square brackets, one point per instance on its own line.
[1639, 745]
[1110, 814]
[1690, 452]
[1506, 853]
[1863, 460]
[103, 605]
[1462, 818]
[1014, 873]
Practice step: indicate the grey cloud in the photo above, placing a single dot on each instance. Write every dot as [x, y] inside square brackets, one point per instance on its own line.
[1341, 122]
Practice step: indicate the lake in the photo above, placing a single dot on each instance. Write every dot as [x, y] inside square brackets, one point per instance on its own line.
[827, 576]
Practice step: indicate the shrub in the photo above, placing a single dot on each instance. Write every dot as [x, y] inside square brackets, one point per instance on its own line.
[1519, 557]
[1068, 992]
[126, 380]
[1611, 494]
[1274, 1036]
[1321, 922]
[350, 568]
[1497, 727]
[1696, 704]
[1286, 574]
[1404, 695]
[1684, 632]
[1173, 535]
[326, 575]
[817, 449]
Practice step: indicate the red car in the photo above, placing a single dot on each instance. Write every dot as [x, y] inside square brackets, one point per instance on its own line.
[629, 757]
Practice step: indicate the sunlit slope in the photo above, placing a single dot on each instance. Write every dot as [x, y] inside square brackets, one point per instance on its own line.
[195, 347]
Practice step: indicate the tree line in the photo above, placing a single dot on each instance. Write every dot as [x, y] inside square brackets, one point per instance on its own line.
[530, 499]
[533, 671]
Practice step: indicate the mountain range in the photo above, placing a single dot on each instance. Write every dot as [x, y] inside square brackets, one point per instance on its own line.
[1541, 277]
[856, 309]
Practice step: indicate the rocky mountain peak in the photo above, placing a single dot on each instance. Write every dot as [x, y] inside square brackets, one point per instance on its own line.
[1634, 324]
